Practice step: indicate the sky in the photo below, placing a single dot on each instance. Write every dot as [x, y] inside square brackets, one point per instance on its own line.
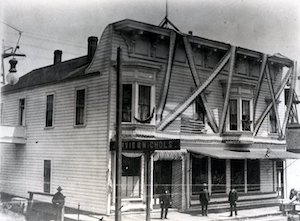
[269, 26]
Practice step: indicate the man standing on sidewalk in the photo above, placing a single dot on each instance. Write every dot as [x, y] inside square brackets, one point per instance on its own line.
[204, 199]
[165, 202]
[232, 198]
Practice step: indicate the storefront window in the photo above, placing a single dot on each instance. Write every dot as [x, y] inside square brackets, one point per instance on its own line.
[253, 175]
[199, 172]
[131, 177]
[237, 175]
[218, 175]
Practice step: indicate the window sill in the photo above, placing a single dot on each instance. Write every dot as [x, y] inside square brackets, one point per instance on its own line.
[49, 128]
[79, 126]
[238, 137]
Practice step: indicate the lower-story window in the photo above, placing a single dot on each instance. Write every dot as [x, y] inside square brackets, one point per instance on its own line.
[218, 175]
[253, 175]
[237, 175]
[199, 172]
[47, 175]
[131, 177]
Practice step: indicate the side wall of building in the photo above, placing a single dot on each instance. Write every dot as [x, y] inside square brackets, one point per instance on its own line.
[78, 155]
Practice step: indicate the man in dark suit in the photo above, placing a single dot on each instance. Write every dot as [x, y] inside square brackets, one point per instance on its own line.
[204, 199]
[165, 202]
[232, 199]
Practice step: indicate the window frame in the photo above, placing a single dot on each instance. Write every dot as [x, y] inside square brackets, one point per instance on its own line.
[50, 175]
[132, 104]
[272, 114]
[135, 101]
[239, 96]
[23, 114]
[84, 106]
[138, 99]
[53, 111]
[199, 103]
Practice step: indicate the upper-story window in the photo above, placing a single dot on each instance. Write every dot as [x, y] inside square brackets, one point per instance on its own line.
[199, 110]
[21, 120]
[80, 107]
[137, 102]
[144, 103]
[273, 121]
[127, 103]
[240, 109]
[49, 110]
[138, 98]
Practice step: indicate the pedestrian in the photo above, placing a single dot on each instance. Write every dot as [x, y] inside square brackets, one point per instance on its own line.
[204, 198]
[58, 202]
[232, 198]
[165, 202]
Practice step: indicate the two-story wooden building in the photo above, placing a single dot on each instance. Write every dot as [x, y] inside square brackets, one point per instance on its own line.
[224, 104]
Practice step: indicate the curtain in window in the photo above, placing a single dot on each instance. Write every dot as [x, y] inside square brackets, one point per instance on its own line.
[144, 102]
[273, 121]
[127, 103]
[246, 124]
[131, 176]
[233, 114]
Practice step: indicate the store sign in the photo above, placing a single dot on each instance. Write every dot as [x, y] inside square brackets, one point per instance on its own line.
[146, 145]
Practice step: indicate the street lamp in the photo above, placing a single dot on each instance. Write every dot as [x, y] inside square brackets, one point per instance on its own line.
[12, 77]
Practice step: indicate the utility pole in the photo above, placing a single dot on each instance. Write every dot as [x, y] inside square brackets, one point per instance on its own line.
[118, 189]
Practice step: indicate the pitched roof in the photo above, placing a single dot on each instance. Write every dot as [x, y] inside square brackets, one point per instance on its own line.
[50, 74]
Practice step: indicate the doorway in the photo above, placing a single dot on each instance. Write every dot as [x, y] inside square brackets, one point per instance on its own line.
[162, 177]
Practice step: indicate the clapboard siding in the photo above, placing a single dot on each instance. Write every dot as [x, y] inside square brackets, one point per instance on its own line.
[78, 155]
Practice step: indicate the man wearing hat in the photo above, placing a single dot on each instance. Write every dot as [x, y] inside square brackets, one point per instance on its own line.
[58, 202]
[204, 199]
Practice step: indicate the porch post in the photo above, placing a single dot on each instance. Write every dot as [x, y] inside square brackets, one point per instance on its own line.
[188, 177]
[284, 175]
[228, 175]
[209, 175]
[151, 177]
[245, 176]
[183, 182]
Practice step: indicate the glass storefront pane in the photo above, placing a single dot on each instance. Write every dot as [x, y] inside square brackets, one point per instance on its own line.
[199, 172]
[253, 175]
[131, 177]
[237, 175]
[218, 175]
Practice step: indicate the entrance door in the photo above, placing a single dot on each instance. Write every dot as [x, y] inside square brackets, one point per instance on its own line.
[162, 176]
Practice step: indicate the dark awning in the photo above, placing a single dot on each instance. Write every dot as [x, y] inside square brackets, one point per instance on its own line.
[252, 154]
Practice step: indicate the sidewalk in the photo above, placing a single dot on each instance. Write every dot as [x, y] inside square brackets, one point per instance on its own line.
[267, 213]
